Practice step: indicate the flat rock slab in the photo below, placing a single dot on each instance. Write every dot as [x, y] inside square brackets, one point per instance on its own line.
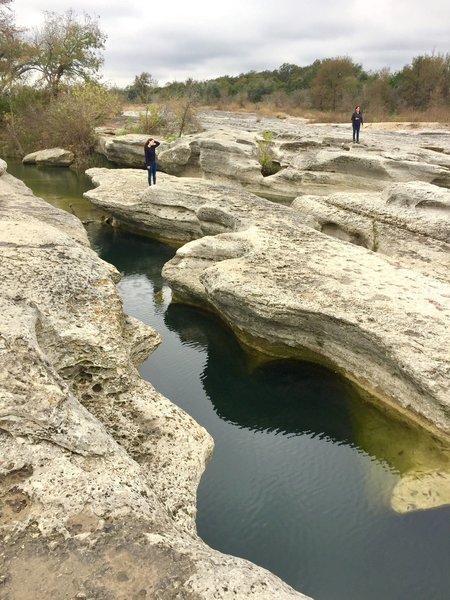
[51, 157]
[313, 158]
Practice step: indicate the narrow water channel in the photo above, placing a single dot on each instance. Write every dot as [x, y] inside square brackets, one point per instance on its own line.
[303, 469]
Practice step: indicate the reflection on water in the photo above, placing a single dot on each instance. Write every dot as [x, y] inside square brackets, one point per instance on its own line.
[236, 388]
[60, 186]
[302, 472]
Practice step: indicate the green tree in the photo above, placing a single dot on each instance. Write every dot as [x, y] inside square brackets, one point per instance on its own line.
[142, 88]
[14, 52]
[72, 116]
[426, 81]
[291, 77]
[334, 78]
[259, 87]
[67, 48]
[378, 94]
[211, 91]
[38, 121]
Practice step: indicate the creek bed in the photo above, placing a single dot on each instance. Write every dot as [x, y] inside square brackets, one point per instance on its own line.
[301, 477]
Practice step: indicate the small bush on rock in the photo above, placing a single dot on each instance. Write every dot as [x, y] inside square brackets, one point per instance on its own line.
[266, 155]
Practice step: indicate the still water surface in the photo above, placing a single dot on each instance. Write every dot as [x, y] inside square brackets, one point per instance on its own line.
[302, 471]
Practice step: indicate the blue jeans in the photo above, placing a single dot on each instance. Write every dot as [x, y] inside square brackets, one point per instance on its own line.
[151, 168]
[356, 127]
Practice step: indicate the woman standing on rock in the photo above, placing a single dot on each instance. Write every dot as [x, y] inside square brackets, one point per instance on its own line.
[150, 159]
[357, 121]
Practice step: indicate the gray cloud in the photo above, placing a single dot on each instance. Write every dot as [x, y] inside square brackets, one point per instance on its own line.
[179, 39]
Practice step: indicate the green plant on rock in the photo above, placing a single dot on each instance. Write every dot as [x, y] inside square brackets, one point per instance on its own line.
[266, 154]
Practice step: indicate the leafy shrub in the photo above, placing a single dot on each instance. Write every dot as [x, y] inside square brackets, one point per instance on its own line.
[171, 119]
[152, 120]
[67, 120]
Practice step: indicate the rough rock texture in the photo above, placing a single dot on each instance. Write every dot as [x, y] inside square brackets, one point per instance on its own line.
[124, 150]
[98, 471]
[320, 171]
[288, 289]
[168, 210]
[218, 155]
[407, 221]
[52, 157]
[314, 159]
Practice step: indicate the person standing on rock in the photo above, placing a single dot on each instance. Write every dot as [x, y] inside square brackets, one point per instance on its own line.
[357, 121]
[150, 159]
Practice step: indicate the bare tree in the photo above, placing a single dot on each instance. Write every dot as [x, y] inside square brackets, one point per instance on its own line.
[187, 102]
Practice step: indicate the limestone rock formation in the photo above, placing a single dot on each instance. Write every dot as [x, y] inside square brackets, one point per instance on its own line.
[98, 471]
[52, 157]
[407, 221]
[320, 171]
[289, 290]
[313, 159]
[123, 150]
[420, 491]
[215, 155]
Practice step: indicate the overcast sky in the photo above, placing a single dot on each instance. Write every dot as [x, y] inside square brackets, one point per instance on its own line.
[177, 39]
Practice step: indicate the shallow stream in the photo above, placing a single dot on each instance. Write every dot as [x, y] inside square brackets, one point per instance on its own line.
[303, 468]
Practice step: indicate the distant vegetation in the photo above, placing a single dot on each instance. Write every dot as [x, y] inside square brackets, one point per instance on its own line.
[328, 89]
[51, 94]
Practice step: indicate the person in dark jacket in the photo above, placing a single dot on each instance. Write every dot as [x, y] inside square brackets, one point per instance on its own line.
[150, 159]
[357, 121]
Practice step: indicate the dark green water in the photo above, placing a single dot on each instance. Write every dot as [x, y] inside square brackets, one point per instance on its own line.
[302, 471]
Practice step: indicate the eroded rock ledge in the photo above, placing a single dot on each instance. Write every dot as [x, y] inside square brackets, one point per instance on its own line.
[313, 159]
[289, 290]
[98, 471]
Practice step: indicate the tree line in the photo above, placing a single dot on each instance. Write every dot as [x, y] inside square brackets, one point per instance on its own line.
[51, 92]
[329, 85]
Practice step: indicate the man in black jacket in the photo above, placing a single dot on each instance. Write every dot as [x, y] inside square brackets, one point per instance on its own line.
[150, 159]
